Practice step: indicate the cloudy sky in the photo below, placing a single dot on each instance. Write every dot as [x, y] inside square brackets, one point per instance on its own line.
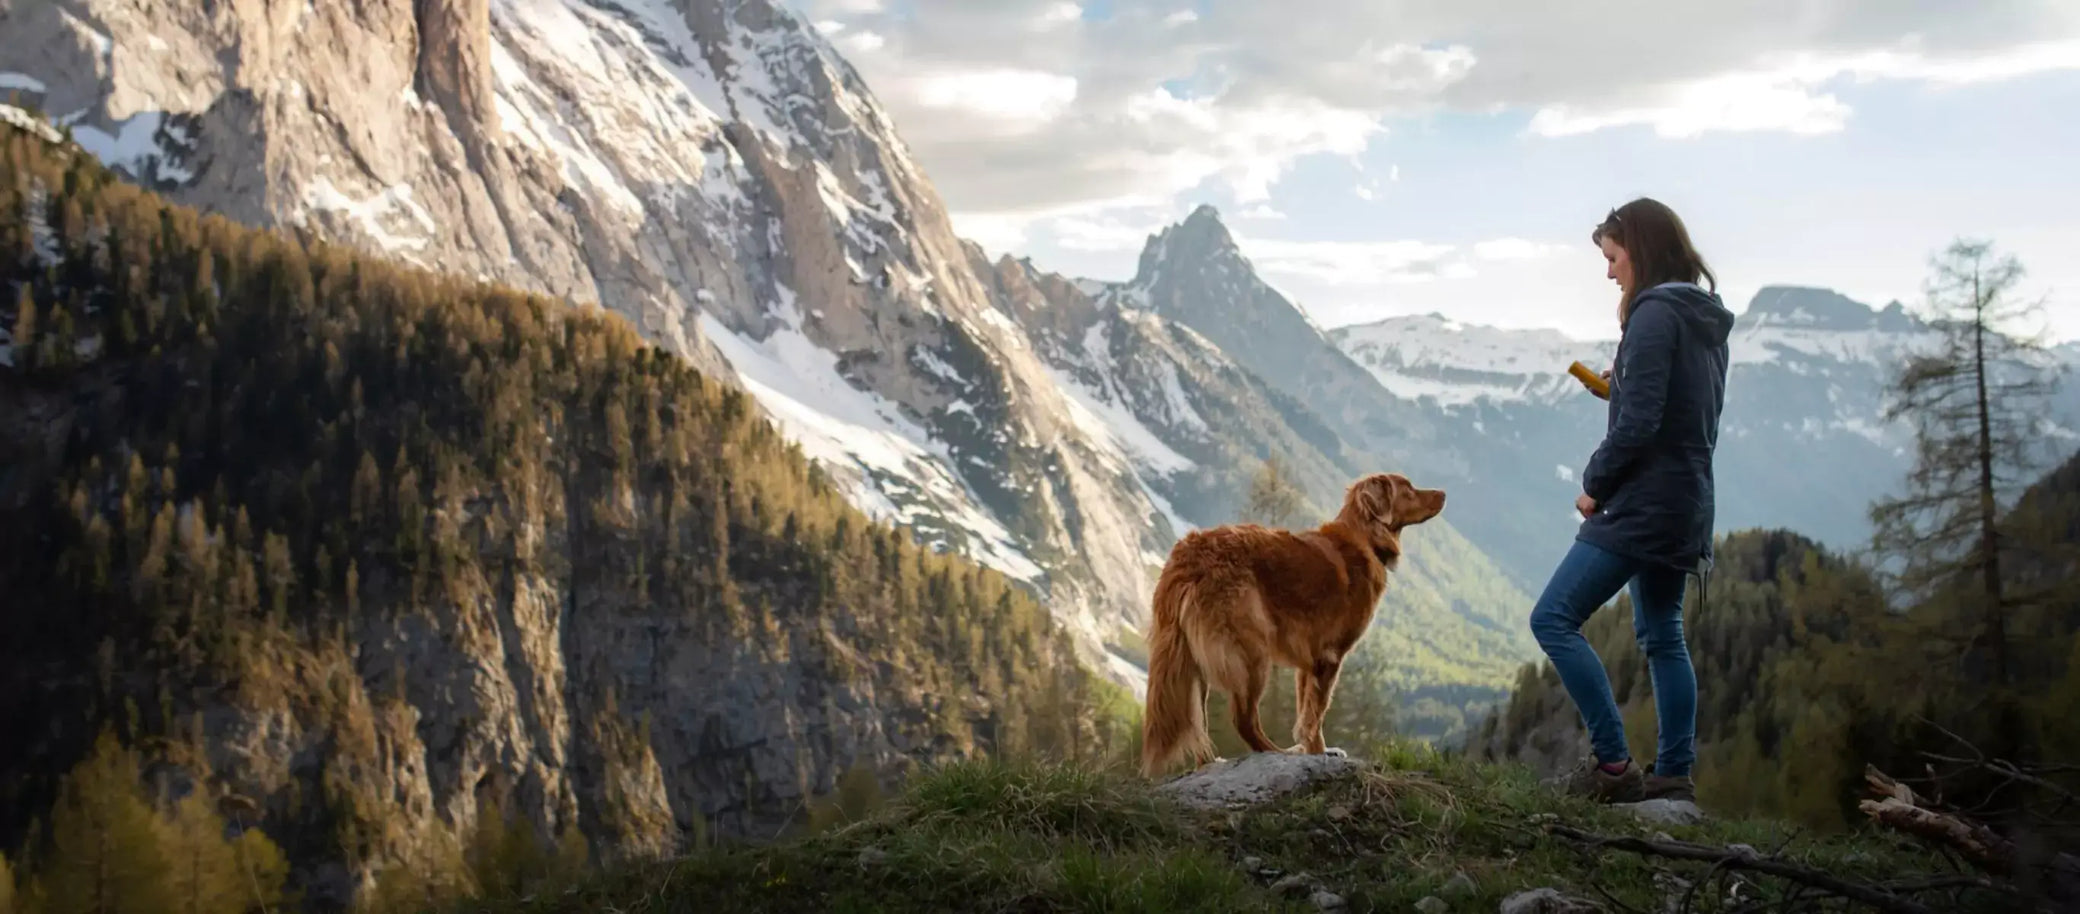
[1382, 157]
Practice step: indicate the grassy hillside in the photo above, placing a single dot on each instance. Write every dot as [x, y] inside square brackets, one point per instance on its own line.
[995, 837]
[371, 552]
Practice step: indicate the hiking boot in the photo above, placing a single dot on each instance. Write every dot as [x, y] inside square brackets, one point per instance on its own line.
[1588, 779]
[1671, 788]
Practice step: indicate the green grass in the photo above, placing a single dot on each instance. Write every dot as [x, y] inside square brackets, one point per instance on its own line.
[988, 836]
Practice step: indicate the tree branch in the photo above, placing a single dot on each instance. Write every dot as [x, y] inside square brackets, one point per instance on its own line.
[1748, 859]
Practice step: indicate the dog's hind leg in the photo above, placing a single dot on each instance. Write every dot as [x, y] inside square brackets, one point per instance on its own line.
[1243, 698]
[1313, 689]
[1231, 638]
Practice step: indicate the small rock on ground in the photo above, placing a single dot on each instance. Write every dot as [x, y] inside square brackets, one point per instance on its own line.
[1432, 905]
[1459, 886]
[1665, 811]
[1544, 901]
[1328, 901]
[1296, 885]
[1253, 779]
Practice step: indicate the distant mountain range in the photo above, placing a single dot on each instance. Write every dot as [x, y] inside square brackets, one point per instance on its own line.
[1804, 444]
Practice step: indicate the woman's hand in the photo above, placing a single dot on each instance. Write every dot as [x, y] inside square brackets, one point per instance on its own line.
[1585, 504]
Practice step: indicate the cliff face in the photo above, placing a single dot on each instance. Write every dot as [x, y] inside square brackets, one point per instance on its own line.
[357, 551]
[710, 169]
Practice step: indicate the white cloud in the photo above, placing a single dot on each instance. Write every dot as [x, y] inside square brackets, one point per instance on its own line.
[1106, 233]
[1025, 98]
[1262, 211]
[1351, 263]
[1786, 92]
[1516, 249]
[997, 234]
[861, 42]
[1060, 13]
[1022, 126]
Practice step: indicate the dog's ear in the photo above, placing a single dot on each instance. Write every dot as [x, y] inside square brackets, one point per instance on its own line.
[1376, 498]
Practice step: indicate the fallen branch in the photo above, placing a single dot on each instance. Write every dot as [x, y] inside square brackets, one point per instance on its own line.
[1897, 807]
[1747, 859]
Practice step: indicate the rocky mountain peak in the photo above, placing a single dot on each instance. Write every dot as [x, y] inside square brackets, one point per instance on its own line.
[1200, 242]
[1823, 309]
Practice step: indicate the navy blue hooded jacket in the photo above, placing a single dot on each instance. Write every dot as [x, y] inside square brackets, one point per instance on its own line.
[1652, 475]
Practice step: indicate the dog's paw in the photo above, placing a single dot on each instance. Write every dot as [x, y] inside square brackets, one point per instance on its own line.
[1335, 752]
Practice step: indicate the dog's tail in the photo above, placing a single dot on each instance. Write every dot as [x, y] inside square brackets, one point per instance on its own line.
[1173, 723]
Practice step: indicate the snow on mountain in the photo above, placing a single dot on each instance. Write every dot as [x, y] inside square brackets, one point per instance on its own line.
[711, 169]
[1804, 443]
[884, 461]
[1193, 273]
[1431, 356]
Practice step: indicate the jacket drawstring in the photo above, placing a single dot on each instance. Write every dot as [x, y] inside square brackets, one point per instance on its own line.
[1703, 574]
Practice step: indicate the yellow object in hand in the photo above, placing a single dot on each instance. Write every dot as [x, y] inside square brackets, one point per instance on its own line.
[1596, 384]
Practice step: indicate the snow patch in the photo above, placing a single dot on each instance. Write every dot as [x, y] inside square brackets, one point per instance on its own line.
[136, 147]
[23, 120]
[1181, 411]
[861, 436]
[1565, 472]
[1178, 525]
[1098, 415]
[372, 214]
[938, 367]
[11, 81]
[1108, 421]
[103, 45]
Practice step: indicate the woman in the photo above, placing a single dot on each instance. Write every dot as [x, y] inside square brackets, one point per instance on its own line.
[1646, 500]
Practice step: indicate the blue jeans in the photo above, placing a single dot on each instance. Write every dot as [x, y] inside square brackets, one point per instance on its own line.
[1588, 578]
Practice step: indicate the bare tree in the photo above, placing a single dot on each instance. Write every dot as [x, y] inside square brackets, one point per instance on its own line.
[1976, 402]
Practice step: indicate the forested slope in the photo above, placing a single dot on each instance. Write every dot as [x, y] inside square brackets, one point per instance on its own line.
[365, 553]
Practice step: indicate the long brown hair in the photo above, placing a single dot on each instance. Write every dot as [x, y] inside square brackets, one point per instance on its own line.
[1658, 245]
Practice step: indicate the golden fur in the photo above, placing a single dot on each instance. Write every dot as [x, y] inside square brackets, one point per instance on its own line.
[1232, 600]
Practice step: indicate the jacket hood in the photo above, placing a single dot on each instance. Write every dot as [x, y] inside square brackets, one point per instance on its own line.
[1701, 310]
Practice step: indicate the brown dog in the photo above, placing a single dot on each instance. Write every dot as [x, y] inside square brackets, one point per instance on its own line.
[1231, 600]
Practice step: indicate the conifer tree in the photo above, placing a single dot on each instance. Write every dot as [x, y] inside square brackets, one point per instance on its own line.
[1975, 403]
[105, 855]
[207, 874]
[7, 887]
[1274, 500]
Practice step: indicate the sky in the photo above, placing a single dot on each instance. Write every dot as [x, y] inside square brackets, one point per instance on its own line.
[1377, 158]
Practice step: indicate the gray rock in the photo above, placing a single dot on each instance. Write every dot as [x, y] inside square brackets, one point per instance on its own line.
[1253, 865]
[872, 856]
[1255, 779]
[1433, 905]
[1296, 885]
[1665, 811]
[1328, 901]
[1459, 886]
